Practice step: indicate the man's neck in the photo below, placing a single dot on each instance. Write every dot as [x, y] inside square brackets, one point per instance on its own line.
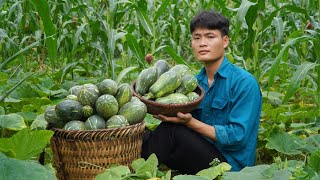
[212, 68]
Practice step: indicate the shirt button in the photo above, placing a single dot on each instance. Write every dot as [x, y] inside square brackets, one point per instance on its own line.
[207, 115]
[208, 94]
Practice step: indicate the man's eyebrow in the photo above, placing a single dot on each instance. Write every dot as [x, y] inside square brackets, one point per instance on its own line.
[206, 34]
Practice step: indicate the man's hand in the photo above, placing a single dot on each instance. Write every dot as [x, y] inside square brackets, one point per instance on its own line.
[180, 119]
[190, 122]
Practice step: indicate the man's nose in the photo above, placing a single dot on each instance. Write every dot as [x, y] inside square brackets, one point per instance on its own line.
[203, 42]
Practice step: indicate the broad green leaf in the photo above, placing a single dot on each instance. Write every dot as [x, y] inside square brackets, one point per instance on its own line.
[12, 169]
[135, 48]
[28, 116]
[12, 121]
[247, 173]
[314, 160]
[26, 143]
[151, 122]
[189, 177]
[285, 143]
[215, 171]
[281, 174]
[149, 168]
[297, 77]
[37, 102]
[124, 72]
[136, 164]
[314, 139]
[113, 173]
[39, 123]
[144, 20]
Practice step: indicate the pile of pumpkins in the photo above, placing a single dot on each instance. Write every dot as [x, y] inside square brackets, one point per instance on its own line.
[106, 104]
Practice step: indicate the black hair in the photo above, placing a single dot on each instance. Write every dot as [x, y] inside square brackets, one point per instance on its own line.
[210, 20]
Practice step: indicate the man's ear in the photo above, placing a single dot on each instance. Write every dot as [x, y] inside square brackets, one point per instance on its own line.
[225, 41]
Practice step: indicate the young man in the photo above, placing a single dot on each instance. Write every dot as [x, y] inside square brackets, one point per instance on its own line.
[225, 125]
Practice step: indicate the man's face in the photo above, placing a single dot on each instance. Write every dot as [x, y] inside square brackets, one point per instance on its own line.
[208, 45]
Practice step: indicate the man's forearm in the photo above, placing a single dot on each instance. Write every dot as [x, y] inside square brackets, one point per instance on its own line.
[202, 128]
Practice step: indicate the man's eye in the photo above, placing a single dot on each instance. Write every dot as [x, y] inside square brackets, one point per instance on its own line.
[210, 37]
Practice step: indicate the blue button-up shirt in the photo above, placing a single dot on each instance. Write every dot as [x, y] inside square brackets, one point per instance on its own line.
[232, 104]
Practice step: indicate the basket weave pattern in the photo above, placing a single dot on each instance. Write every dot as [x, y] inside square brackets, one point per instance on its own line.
[84, 154]
[156, 108]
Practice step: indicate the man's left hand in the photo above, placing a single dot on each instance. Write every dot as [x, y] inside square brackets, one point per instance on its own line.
[179, 119]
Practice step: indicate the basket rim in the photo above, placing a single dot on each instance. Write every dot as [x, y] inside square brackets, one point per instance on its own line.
[191, 103]
[99, 130]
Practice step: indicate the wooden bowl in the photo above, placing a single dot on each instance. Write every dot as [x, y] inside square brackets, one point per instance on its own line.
[170, 109]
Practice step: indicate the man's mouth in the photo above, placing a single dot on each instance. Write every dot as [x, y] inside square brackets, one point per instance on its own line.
[203, 51]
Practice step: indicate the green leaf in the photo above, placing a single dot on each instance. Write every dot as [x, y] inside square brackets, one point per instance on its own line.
[175, 57]
[124, 72]
[135, 48]
[39, 123]
[49, 28]
[284, 55]
[215, 171]
[281, 174]
[12, 121]
[247, 173]
[278, 23]
[2, 3]
[113, 173]
[297, 77]
[167, 176]
[285, 143]
[136, 164]
[12, 169]
[28, 116]
[291, 8]
[4, 63]
[148, 169]
[314, 161]
[161, 9]
[26, 143]
[189, 177]
[241, 14]
[2, 111]
[3, 78]
[77, 36]
[144, 20]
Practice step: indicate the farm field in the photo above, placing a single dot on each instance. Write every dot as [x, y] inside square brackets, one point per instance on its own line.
[47, 47]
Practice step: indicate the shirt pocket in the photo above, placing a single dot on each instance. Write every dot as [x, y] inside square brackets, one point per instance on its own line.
[220, 110]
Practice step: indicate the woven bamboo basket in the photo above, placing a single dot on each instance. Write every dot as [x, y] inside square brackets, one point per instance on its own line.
[84, 154]
[170, 109]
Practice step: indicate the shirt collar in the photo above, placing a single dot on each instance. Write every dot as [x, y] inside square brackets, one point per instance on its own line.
[222, 71]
